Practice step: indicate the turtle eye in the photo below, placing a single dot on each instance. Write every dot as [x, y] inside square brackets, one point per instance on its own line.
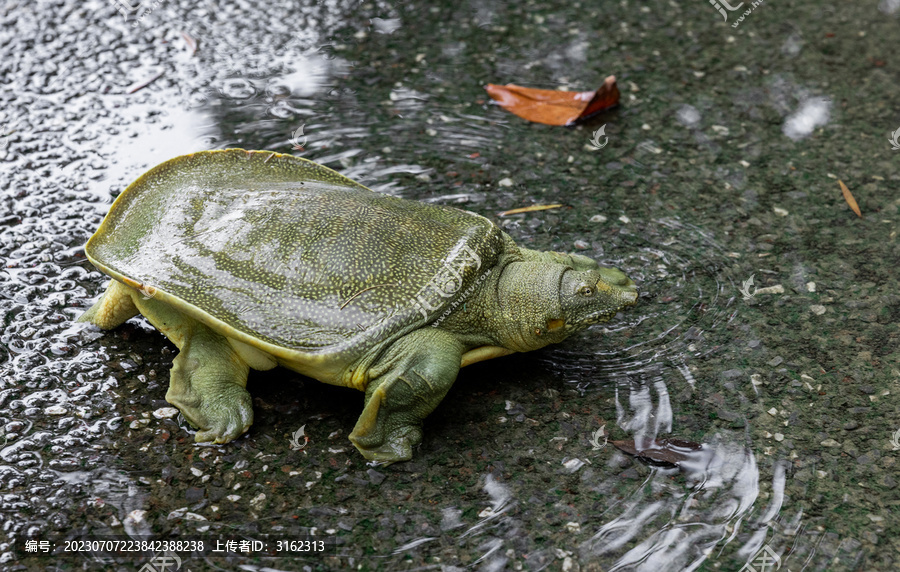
[586, 291]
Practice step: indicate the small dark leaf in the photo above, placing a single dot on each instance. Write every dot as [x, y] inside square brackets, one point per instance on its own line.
[666, 452]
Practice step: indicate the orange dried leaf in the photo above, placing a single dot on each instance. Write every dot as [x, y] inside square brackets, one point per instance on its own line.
[530, 209]
[848, 196]
[552, 107]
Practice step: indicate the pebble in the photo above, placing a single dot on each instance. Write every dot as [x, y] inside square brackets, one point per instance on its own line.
[598, 218]
[55, 410]
[830, 443]
[375, 477]
[817, 309]
[165, 413]
[505, 182]
[581, 245]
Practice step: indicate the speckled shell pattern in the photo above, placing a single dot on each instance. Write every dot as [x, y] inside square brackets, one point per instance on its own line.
[289, 253]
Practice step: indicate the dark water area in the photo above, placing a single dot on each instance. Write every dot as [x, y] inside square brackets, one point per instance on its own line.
[722, 165]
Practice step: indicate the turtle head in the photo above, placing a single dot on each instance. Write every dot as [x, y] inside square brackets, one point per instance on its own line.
[545, 302]
[594, 295]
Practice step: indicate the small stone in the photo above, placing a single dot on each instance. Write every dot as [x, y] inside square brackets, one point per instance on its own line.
[625, 219]
[850, 425]
[830, 443]
[598, 218]
[573, 526]
[810, 286]
[165, 413]
[573, 465]
[55, 410]
[776, 361]
[259, 501]
[505, 182]
[581, 245]
[780, 211]
[375, 477]
[773, 412]
[194, 494]
[817, 309]
[779, 437]
[196, 472]
[234, 498]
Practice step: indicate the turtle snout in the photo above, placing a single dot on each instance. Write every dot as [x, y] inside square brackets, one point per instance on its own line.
[626, 286]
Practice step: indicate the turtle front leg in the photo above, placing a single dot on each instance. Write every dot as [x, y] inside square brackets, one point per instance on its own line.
[114, 307]
[408, 382]
[208, 377]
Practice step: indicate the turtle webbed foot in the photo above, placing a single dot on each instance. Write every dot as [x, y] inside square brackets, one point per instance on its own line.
[394, 448]
[218, 419]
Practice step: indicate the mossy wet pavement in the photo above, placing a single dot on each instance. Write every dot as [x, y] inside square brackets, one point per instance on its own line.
[793, 391]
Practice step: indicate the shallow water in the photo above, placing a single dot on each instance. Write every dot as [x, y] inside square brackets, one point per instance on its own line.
[722, 165]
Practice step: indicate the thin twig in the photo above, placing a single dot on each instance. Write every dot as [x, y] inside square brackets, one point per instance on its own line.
[362, 291]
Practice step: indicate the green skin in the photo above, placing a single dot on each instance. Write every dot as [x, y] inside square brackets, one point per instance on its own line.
[517, 300]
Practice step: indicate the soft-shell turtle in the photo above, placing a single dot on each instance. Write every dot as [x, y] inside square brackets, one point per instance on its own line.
[253, 259]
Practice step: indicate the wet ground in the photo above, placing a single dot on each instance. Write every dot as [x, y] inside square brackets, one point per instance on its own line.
[722, 164]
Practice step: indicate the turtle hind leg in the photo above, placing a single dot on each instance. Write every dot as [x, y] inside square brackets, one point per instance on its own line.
[114, 307]
[208, 377]
[418, 370]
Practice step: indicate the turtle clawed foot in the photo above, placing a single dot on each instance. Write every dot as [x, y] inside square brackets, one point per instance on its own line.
[218, 420]
[397, 446]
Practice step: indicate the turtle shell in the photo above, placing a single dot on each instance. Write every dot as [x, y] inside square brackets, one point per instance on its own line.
[290, 256]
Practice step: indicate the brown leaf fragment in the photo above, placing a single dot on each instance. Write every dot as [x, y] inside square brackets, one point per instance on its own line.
[553, 107]
[848, 196]
[666, 452]
[190, 41]
[137, 86]
[530, 209]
